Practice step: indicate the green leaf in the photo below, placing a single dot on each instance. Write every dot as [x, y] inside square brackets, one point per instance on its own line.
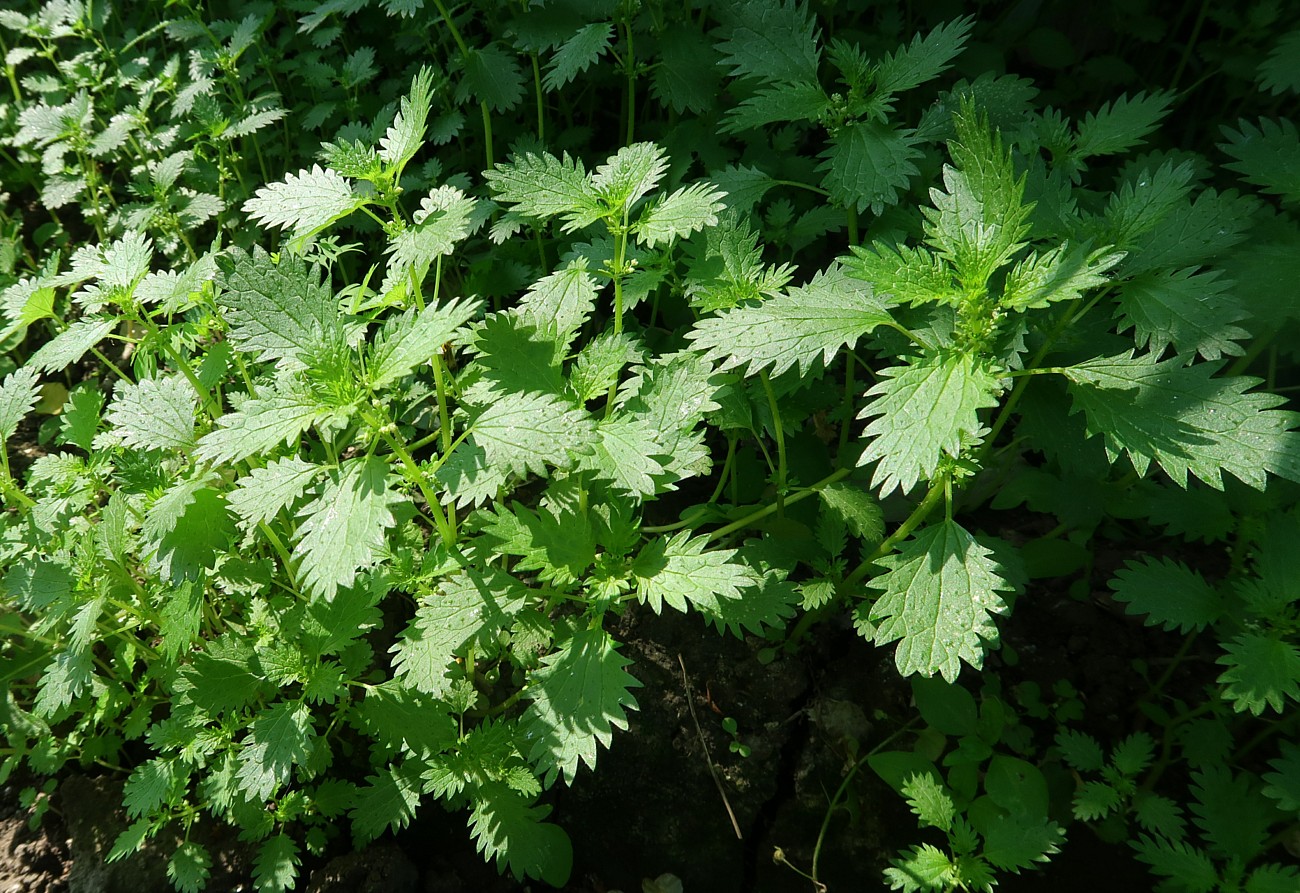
[70, 345]
[181, 619]
[280, 737]
[1232, 813]
[189, 867]
[855, 507]
[1280, 72]
[305, 203]
[1193, 234]
[780, 102]
[406, 135]
[1118, 126]
[925, 59]
[1169, 593]
[560, 545]
[413, 338]
[869, 165]
[281, 311]
[1159, 815]
[929, 802]
[508, 828]
[152, 784]
[518, 355]
[629, 174]
[907, 275]
[444, 220]
[1185, 419]
[409, 719]
[579, 696]
[1272, 878]
[343, 528]
[200, 530]
[1190, 311]
[80, 419]
[1263, 670]
[1283, 783]
[1267, 156]
[524, 433]
[922, 868]
[683, 212]
[577, 54]
[19, 393]
[543, 186]
[1080, 750]
[261, 424]
[469, 608]
[673, 394]
[678, 571]
[939, 593]
[627, 455]
[388, 801]
[923, 412]
[264, 491]
[559, 303]
[1134, 754]
[492, 77]
[686, 78]
[979, 220]
[67, 675]
[275, 870]
[154, 414]
[1144, 200]
[1061, 274]
[803, 325]
[772, 40]
[1190, 867]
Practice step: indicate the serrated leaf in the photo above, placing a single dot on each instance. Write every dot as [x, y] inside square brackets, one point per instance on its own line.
[686, 78]
[275, 870]
[402, 717]
[908, 275]
[469, 607]
[305, 203]
[189, 867]
[626, 454]
[1095, 800]
[524, 433]
[855, 507]
[922, 868]
[924, 59]
[544, 186]
[921, 413]
[279, 738]
[1263, 670]
[1119, 125]
[1267, 155]
[508, 829]
[196, 530]
[404, 138]
[343, 528]
[444, 220]
[19, 394]
[929, 801]
[1283, 783]
[387, 801]
[577, 54]
[1013, 842]
[1280, 72]
[221, 676]
[518, 353]
[70, 345]
[1185, 419]
[154, 414]
[771, 41]
[559, 303]
[80, 418]
[869, 165]
[280, 311]
[979, 219]
[1190, 311]
[1169, 593]
[1159, 815]
[1061, 274]
[1144, 200]
[1192, 235]
[939, 594]
[1080, 750]
[780, 102]
[629, 174]
[264, 491]
[151, 785]
[673, 394]
[559, 544]
[801, 326]
[413, 338]
[1232, 813]
[259, 425]
[680, 573]
[685, 211]
[579, 696]
[1193, 869]
[1272, 878]
[491, 76]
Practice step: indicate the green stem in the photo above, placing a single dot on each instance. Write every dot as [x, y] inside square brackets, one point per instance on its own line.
[766, 510]
[630, 63]
[913, 521]
[779, 430]
[848, 406]
[99, 355]
[537, 91]
[445, 529]
[1190, 45]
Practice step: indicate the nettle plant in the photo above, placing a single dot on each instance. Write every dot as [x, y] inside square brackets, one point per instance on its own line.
[341, 542]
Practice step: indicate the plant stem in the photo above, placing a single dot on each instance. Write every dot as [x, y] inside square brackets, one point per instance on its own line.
[766, 510]
[780, 444]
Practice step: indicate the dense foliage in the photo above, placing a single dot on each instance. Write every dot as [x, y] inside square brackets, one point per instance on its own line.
[364, 360]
